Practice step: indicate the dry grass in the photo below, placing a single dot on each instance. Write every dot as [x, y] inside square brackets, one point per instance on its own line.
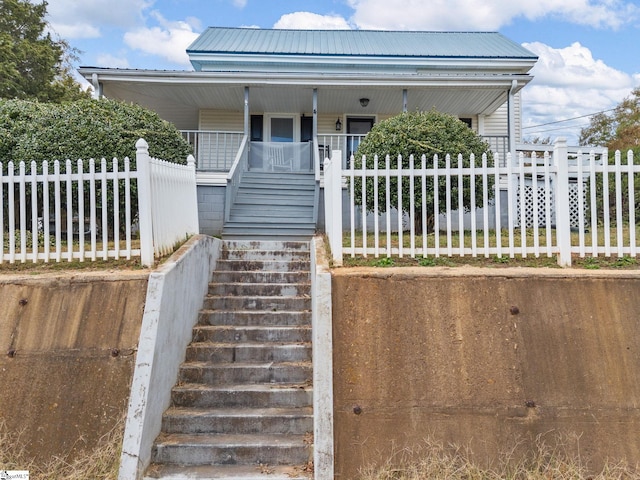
[435, 461]
[101, 463]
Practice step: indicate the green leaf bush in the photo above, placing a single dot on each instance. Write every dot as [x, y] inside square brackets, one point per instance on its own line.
[422, 133]
[84, 129]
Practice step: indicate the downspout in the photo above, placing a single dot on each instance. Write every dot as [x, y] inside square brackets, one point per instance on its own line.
[97, 87]
[404, 101]
[511, 126]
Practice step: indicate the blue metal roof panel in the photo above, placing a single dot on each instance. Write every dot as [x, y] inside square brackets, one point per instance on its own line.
[358, 43]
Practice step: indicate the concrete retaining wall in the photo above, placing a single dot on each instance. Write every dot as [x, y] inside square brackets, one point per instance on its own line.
[484, 358]
[67, 349]
[174, 298]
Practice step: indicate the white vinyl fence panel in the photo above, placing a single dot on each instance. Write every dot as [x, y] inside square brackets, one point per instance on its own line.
[85, 210]
[532, 205]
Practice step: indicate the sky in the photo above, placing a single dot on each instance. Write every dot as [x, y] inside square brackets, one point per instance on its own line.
[589, 50]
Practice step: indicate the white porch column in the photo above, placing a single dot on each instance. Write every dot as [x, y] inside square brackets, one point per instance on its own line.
[246, 111]
[314, 132]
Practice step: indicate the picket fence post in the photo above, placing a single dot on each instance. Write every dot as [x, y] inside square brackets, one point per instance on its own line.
[563, 214]
[144, 202]
[333, 204]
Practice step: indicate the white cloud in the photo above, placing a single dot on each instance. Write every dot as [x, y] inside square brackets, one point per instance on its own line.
[72, 19]
[308, 20]
[111, 61]
[568, 82]
[240, 3]
[169, 39]
[488, 15]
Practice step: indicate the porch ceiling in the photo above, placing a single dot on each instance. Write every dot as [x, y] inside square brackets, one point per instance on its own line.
[179, 102]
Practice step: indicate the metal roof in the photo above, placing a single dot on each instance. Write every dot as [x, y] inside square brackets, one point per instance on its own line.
[362, 43]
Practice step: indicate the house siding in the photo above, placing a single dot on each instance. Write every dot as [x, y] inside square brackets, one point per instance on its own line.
[497, 122]
[221, 120]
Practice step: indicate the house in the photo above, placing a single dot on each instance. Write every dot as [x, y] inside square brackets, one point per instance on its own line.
[264, 107]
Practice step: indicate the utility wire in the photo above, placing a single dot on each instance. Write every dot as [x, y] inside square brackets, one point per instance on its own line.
[569, 119]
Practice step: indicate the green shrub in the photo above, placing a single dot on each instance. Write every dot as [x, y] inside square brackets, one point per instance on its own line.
[422, 133]
[84, 129]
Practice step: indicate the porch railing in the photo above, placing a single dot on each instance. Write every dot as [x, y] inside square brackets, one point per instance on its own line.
[234, 177]
[213, 151]
[87, 210]
[550, 206]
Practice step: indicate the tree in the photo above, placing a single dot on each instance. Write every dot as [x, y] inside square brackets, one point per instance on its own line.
[422, 133]
[618, 130]
[33, 65]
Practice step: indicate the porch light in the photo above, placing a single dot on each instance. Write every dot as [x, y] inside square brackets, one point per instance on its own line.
[364, 102]
[338, 125]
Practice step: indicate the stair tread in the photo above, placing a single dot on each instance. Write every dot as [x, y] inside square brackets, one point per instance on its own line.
[221, 365]
[275, 344]
[241, 412]
[227, 472]
[230, 440]
[259, 297]
[243, 311]
[241, 387]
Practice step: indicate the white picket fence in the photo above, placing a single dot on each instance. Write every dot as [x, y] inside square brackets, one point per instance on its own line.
[534, 205]
[84, 210]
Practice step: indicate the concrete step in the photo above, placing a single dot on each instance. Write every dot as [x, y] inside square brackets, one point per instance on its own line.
[270, 303]
[260, 289]
[231, 449]
[268, 232]
[267, 421]
[238, 373]
[229, 472]
[241, 395]
[247, 317]
[251, 333]
[220, 276]
[248, 352]
[267, 246]
[263, 265]
[247, 254]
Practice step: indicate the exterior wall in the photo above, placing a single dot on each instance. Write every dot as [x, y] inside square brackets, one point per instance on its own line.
[497, 122]
[221, 120]
[486, 359]
[211, 199]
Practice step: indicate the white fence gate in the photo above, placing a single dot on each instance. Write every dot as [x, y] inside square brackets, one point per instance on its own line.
[583, 207]
[84, 211]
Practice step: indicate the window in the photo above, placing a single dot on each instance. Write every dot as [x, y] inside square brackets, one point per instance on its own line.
[282, 129]
[467, 121]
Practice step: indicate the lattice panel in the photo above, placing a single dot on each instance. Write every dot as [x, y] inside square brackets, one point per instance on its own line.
[528, 201]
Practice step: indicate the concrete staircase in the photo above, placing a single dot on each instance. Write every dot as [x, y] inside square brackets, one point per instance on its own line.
[273, 205]
[242, 407]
